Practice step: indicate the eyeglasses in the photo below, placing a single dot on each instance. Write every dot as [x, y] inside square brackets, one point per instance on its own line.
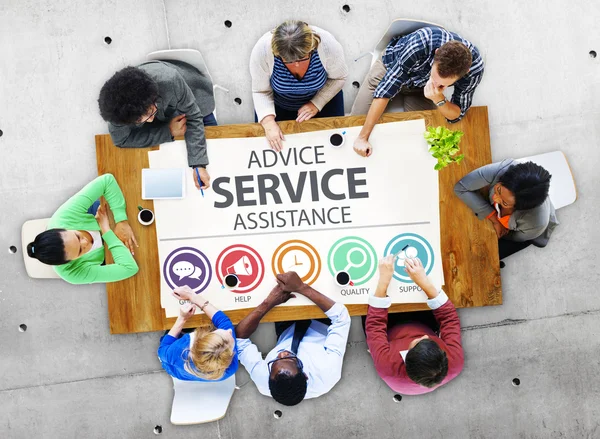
[298, 60]
[290, 356]
[139, 124]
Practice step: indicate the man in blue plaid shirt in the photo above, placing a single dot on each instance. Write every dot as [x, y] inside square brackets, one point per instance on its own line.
[419, 66]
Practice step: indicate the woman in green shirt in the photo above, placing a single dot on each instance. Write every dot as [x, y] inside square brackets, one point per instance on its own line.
[73, 243]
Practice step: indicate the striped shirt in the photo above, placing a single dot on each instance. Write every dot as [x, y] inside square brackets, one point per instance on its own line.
[291, 93]
[408, 61]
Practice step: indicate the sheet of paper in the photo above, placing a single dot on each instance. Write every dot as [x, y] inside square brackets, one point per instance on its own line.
[312, 208]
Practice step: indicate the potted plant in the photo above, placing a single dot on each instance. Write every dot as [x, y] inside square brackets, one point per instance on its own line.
[444, 146]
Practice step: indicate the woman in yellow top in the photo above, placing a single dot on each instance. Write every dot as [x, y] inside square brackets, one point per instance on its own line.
[74, 241]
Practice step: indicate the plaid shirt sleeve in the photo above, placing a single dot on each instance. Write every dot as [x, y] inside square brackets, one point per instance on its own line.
[464, 89]
[414, 53]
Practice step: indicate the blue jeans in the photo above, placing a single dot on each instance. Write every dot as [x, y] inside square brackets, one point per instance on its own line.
[94, 208]
[210, 120]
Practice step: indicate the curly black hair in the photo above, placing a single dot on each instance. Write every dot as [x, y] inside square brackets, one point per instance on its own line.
[288, 389]
[126, 96]
[529, 183]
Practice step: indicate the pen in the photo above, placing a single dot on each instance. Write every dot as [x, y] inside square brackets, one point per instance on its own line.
[199, 181]
[404, 248]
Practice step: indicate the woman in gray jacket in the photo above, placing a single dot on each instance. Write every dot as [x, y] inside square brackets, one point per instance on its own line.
[514, 198]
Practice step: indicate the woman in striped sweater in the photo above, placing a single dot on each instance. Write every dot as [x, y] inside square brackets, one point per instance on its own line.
[298, 72]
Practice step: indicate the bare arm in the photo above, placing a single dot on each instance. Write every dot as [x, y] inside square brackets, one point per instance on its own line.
[322, 301]
[249, 323]
[186, 293]
[449, 110]
[185, 312]
[375, 111]
[361, 144]
[290, 281]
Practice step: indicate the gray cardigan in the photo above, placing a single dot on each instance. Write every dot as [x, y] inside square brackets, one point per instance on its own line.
[182, 89]
[534, 224]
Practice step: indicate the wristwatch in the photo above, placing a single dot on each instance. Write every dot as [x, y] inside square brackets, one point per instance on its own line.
[442, 102]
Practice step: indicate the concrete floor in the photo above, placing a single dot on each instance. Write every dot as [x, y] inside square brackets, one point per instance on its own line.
[66, 377]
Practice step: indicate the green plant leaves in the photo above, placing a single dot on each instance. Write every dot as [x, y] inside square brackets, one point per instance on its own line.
[444, 145]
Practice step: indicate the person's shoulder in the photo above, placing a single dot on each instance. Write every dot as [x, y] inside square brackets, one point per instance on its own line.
[325, 35]
[538, 216]
[76, 271]
[160, 71]
[427, 33]
[264, 42]
[181, 343]
[502, 166]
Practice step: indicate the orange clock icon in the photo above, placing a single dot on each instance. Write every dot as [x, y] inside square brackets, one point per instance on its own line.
[298, 256]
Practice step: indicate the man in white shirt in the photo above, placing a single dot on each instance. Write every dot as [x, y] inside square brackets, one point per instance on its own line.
[307, 360]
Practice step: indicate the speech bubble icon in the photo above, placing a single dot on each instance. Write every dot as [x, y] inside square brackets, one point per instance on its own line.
[183, 269]
[197, 273]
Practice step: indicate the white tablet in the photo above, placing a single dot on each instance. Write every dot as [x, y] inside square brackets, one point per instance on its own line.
[163, 184]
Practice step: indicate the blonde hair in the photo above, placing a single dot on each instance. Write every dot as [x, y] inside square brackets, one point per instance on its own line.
[293, 40]
[209, 356]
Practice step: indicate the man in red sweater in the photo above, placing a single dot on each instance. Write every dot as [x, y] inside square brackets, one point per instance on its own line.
[409, 356]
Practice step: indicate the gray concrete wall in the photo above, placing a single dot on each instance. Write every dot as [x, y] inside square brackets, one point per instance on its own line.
[67, 377]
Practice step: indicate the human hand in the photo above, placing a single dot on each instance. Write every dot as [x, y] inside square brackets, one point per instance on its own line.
[102, 218]
[184, 293]
[433, 93]
[290, 281]
[500, 229]
[416, 271]
[277, 296]
[362, 147]
[273, 133]
[178, 125]
[186, 311]
[204, 177]
[306, 112]
[125, 234]
[386, 269]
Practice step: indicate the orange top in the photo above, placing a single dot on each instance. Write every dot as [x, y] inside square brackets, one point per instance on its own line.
[503, 219]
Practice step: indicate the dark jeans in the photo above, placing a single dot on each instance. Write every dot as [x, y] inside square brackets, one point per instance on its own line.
[282, 326]
[335, 107]
[398, 318]
[210, 120]
[94, 208]
[507, 247]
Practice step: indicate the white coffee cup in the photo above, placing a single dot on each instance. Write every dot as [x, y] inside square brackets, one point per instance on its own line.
[231, 281]
[337, 139]
[341, 277]
[145, 217]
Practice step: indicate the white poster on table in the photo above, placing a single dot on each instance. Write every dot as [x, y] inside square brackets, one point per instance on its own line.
[319, 210]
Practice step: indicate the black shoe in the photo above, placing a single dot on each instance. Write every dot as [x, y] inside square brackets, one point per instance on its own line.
[502, 264]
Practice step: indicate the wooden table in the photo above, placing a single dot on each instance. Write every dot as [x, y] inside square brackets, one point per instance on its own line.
[469, 246]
